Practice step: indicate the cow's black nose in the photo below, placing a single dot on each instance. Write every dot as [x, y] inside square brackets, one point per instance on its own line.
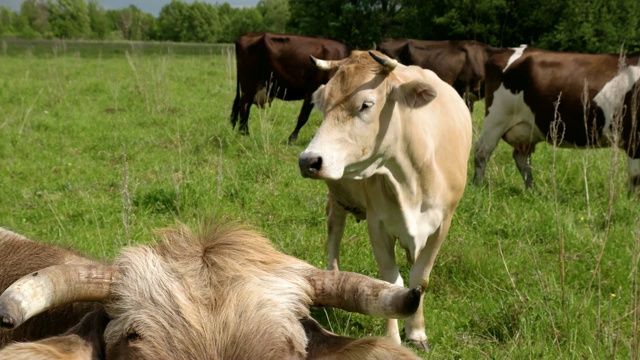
[310, 164]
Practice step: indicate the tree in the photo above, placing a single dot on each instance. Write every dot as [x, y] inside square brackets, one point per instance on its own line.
[275, 14]
[97, 20]
[595, 26]
[132, 23]
[7, 20]
[69, 19]
[172, 20]
[203, 22]
[34, 20]
[359, 23]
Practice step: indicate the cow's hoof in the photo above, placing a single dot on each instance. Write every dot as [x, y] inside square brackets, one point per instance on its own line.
[420, 344]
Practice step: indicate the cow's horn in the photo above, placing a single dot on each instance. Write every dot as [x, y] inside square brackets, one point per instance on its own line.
[387, 64]
[326, 64]
[52, 287]
[362, 294]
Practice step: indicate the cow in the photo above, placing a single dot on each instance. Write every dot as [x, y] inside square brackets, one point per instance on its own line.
[272, 65]
[393, 149]
[460, 63]
[569, 99]
[223, 294]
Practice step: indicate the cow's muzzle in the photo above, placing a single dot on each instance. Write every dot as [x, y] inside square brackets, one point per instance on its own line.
[310, 164]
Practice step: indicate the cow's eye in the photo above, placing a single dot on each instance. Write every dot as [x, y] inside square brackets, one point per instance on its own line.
[365, 105]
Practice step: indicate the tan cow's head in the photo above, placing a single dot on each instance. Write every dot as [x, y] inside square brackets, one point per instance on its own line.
[363, 106]
[227, 294]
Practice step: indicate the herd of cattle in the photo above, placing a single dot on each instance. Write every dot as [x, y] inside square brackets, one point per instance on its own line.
[393, 149]
[532, 95]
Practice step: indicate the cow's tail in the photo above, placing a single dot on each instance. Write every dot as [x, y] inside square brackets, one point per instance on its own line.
[235, 109]
[236, 106]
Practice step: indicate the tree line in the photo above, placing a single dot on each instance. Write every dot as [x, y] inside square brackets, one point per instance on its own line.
[566, 25]
[178, 21]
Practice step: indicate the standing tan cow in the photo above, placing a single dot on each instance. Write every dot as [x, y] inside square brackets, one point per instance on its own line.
[393, 147]
[225, 294]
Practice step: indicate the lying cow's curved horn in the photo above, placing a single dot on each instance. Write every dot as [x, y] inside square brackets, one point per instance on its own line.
[52, 287]
[387, 64]
[362, 294]
[326, 64]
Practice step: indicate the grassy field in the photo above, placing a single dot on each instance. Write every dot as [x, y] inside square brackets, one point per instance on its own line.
[99, 147]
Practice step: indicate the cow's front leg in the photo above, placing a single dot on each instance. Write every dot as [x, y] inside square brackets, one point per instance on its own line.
[307, 106]
[336, 219]
[419, 276]
[383, 246]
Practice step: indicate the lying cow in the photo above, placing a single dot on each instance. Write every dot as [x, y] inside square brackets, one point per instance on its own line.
[393, 148]
[523, 86]
[277, 65]
[226, 294]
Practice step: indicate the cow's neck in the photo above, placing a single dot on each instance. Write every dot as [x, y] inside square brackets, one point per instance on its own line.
[405, 162]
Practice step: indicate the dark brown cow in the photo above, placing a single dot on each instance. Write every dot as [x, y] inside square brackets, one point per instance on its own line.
[224, 294]
[595, 96]
[279, 65]
[460, 63]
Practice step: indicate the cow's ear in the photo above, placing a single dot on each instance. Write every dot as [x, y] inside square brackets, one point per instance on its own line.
[414, 94]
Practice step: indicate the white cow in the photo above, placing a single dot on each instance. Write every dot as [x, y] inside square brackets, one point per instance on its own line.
[393, 148]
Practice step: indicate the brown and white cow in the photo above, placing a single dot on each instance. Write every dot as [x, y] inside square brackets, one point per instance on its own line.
[393, 148]
[224, 294]
[277, 65]
[595, 96]
[460, 63]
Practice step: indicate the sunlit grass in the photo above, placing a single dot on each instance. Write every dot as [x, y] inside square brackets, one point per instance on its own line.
[79, 134]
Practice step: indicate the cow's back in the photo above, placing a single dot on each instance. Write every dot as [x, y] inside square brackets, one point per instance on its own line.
[288, 59]
[547, 77]
[445, 58]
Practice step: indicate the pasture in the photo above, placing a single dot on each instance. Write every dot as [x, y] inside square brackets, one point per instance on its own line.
[100, 146]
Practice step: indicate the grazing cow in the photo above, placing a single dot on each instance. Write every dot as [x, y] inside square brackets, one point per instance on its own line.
[460, 63]
[393, 148]
[271, 65]
[227, 294]
[569, 99]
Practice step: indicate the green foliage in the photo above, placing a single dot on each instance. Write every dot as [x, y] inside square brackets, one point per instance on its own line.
[98, 21]
[7, 21]
[275, 14]
[565, 25]
[195, 22]
[597, 26]
[132, 24]
[69, 19]
[35, 19]
[359, 23]
[593, 26]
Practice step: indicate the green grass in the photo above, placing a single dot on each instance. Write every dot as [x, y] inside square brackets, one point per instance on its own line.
[96, 151]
